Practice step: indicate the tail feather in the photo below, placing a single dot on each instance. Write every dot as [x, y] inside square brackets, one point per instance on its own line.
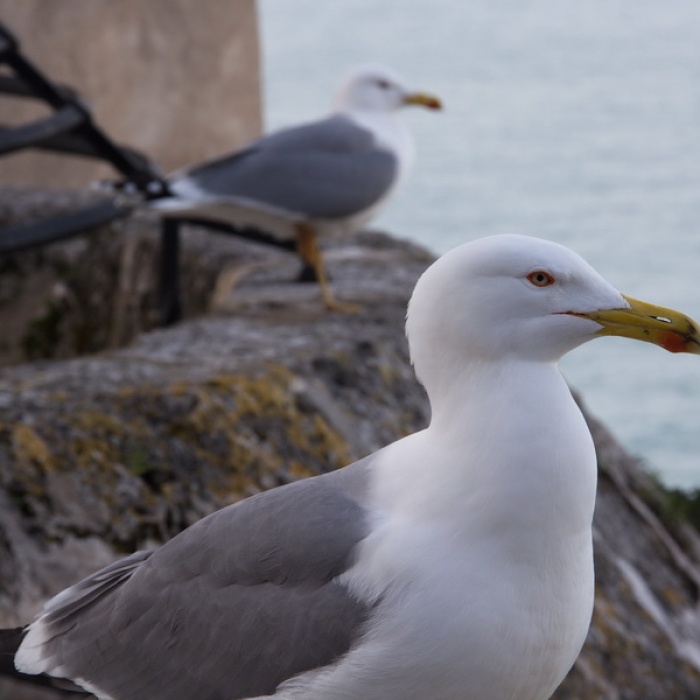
[10, 640]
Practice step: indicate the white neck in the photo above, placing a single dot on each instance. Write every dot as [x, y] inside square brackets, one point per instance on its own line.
[485, 519]
[473, 454]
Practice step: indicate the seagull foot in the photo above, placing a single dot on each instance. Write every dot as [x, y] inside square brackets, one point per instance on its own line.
[344, 307]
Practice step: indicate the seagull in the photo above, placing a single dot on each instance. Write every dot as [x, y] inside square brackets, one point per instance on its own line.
[453, 564]
[327, 177]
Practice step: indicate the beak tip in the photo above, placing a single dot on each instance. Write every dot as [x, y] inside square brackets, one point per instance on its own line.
[423, 99]
[669, 329]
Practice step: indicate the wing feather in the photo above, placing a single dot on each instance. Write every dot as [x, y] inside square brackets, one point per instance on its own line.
[328, 169]
[230, 608]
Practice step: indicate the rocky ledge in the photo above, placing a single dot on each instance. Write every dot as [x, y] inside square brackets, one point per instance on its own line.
[107, 453]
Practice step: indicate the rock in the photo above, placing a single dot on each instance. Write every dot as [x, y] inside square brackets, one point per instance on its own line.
[99, 290]
[644, 640]
[104, 454]
[129, 447]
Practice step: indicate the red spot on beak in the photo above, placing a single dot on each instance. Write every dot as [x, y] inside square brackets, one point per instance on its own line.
[673, 342]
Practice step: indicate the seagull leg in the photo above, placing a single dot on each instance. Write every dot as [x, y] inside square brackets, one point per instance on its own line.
[308, 251]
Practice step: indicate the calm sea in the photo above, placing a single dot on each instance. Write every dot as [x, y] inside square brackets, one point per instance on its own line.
[573, 121]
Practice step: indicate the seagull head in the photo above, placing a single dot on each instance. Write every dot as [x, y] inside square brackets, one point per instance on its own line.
[379, 89]
[525, 298]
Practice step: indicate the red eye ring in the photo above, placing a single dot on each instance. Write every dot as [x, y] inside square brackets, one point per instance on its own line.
[540, 278]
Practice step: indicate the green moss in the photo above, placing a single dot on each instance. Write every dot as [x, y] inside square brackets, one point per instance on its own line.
[684, 505]
[244, 432]
[139, 463]
[152, 458]
[96, 439]
[44, 333]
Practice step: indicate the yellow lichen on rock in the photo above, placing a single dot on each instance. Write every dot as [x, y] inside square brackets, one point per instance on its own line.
[30, 449]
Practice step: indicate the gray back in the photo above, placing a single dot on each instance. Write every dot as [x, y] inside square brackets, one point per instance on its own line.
[328, 169]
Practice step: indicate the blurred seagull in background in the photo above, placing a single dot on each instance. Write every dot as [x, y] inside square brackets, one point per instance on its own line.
[327, 177]
[454, 564]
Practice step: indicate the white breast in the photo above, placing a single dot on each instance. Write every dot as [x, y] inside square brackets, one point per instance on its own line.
[481, 561]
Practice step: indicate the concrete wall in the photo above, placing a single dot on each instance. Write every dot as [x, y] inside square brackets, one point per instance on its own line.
[176, 79]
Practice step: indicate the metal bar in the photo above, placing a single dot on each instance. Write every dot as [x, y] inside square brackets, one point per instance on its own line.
[8, 42]
[16, 238]
[33, 134]
[12, 86]
[74, 145]
[170, 304]
[143, 174]
[18, 88]
[41, 87]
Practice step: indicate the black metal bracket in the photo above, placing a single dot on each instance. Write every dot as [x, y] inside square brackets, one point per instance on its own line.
[69, 129]
[72, 117]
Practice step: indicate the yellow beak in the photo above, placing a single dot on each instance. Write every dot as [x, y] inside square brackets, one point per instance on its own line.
[670, 329]
[423, 99]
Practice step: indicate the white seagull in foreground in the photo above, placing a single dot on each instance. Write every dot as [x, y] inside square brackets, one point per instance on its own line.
[454, 564]
[326, 177]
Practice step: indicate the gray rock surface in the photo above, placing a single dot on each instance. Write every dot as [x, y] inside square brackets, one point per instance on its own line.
[104, 454]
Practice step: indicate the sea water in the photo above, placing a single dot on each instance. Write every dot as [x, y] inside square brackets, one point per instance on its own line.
[574, 121]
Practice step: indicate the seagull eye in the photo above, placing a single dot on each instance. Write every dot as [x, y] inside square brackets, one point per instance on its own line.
[540, 278]
[383, 84]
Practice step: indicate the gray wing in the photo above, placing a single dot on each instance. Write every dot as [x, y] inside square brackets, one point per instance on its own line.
[230, 608]
[328, 169]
